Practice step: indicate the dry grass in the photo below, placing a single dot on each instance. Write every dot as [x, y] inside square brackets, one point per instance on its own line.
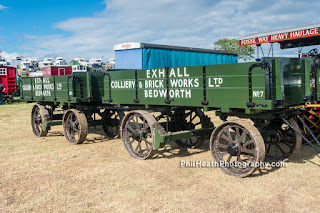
[48, 174]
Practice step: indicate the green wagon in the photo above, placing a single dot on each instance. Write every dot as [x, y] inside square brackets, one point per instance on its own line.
[276, 102]
[168, 104]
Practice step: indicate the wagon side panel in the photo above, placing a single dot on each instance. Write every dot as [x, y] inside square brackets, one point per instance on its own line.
[228, 87]
[49, 89]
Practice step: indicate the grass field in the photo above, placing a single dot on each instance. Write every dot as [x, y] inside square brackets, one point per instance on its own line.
[48, 174]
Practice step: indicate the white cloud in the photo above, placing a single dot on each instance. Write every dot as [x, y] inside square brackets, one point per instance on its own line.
[3, 7]
[9, 56]
[174, 22]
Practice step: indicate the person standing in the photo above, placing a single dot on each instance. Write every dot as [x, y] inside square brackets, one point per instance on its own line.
[2, 89]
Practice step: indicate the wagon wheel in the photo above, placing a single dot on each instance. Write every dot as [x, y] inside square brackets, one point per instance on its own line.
[39, 115]
[10, 100]
[238, 145]
[193, 119]
[75, 126]
[137, 134]
[5, 99]
[112, 123]
[285, 143]
[311, 116]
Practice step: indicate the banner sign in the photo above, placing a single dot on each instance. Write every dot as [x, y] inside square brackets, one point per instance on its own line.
[281, 37]
[126, 46]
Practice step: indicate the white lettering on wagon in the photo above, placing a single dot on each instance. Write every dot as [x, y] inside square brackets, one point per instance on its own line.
[173, 72]
[180, 83]
[190, 82]
[173, 93]
[257, 94]
[215, 82]
[26, 87]
[59, 86]
[48, 87]
[154, 84]
[45, 93]
[123, 84]
[39, 80]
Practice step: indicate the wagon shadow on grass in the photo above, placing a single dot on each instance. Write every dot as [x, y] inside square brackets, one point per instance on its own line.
[95, 140]
[55, 134]
[263, 171]
[306, 154]
[172, 150]
[99, 138]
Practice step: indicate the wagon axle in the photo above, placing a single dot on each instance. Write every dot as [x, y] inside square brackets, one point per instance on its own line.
[137, 136]
[233, 149]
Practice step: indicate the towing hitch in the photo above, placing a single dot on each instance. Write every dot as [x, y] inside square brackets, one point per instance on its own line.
[301, 135]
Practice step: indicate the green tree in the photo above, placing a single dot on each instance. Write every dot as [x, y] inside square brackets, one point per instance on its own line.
[245, 53]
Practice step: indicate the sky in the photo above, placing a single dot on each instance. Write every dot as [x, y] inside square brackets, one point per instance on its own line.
[90, 29]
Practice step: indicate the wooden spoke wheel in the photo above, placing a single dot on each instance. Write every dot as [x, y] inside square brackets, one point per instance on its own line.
[191, 119]
[137, 134]
[311, 116]
[238, 146]
[75, 126]
[112, 123]
[8, 99]
[39, 115]
[285, 143]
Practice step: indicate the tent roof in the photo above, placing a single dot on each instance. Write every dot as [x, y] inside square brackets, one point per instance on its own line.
[133, 45]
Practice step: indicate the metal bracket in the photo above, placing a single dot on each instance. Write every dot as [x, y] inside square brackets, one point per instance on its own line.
[21, 89]
[68, 87]
[263, 65]
[307, 98]
[42, 98]
[90, 98]
[54, 89]
[113, 107]
[263, 105]
[31, 88]
[167, 101]
[108, 74]
[251, 104]
[278, 102]
[204, 101]
[76, 79]
[136, 100]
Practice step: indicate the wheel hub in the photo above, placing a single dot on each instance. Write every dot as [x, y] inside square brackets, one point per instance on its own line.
[136, 136]
[190, 126]
[276, 138]
[233, 149]
[37, 119]
[70, 127]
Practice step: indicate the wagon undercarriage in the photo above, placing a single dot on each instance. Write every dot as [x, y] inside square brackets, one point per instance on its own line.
[242, 141]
